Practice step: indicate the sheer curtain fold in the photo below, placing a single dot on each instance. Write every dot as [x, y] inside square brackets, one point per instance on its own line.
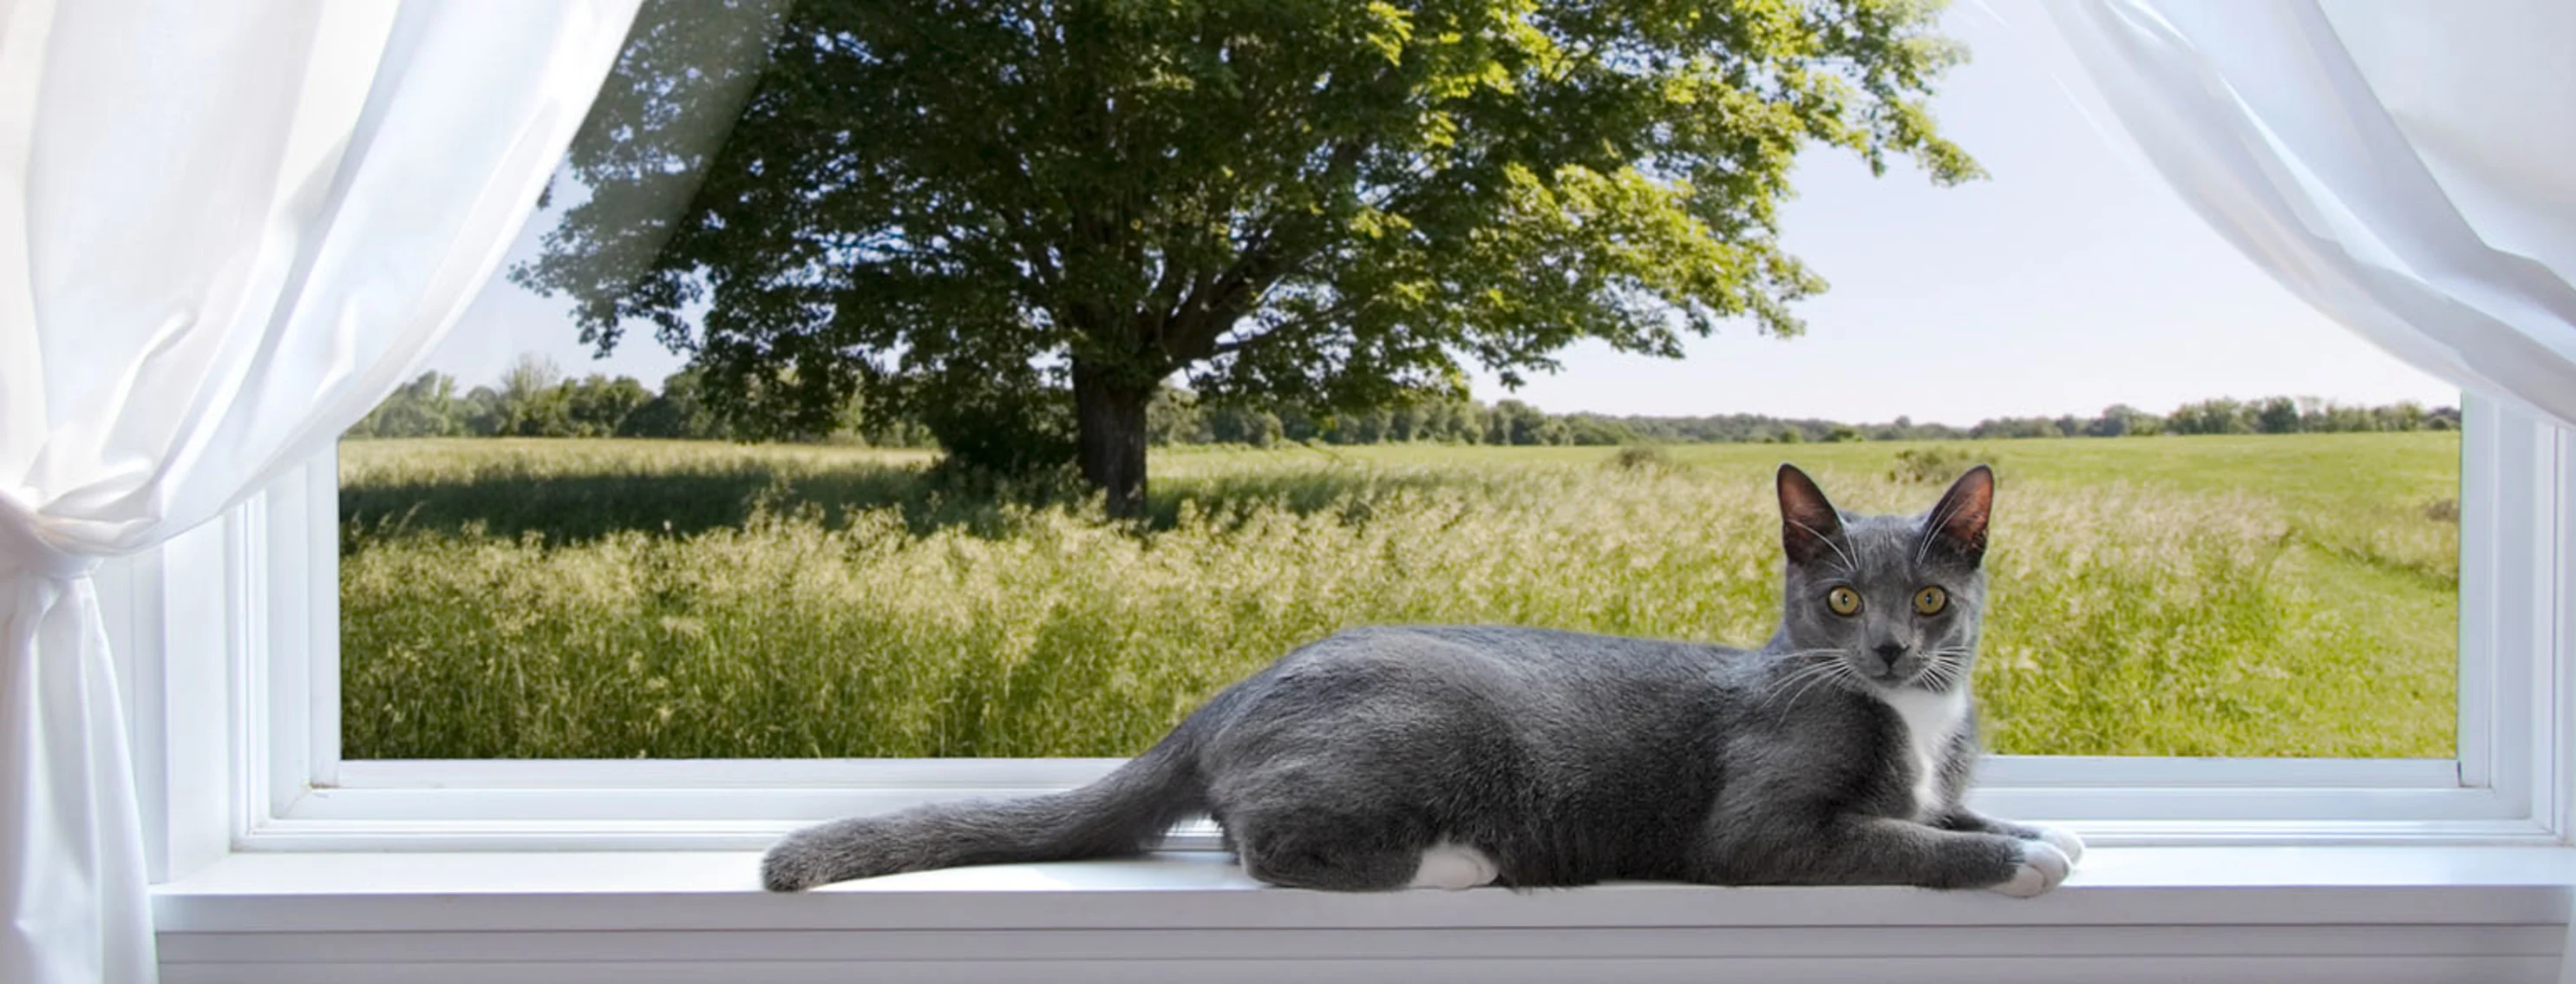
[2383, 162]
[2401, 167]
[226, 230]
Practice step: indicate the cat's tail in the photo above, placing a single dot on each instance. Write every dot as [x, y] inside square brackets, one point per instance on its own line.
[1126, 812]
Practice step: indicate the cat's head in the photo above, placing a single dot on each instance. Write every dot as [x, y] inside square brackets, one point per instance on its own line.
[1890, 601]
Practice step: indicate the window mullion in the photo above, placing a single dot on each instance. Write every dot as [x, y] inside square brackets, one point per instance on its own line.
[320, 567]
[2558, 659]
[2483, 435]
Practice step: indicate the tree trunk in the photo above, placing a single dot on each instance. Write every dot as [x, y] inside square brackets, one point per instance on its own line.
[1110, 418]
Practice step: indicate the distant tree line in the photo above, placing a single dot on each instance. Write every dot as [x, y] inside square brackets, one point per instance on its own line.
[536, 399]
[1175, 418]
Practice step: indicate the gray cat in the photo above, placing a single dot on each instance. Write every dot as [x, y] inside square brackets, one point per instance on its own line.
[1457, 756]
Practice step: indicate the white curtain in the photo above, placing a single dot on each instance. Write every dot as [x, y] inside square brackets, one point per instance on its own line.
[2405, 168]
[226, 230]
[2402, 167]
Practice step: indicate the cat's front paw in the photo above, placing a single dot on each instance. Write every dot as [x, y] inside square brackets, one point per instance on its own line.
[2063, 840]
[1453, 867]
[2042, 867]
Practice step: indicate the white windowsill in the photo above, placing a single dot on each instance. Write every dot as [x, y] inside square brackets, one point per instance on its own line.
[2349, 914]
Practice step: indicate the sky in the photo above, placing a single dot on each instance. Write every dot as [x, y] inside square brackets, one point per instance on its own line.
[2071, 279]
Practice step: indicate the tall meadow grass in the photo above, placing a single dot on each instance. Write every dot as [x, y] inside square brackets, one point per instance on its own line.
[619, 599]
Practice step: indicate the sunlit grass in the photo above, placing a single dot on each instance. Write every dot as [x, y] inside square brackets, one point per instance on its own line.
[2189, 596]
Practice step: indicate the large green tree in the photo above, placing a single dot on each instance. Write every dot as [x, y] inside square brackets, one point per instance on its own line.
[1014, 220]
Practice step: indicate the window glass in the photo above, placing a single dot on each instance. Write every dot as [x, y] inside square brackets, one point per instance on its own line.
[767, 443]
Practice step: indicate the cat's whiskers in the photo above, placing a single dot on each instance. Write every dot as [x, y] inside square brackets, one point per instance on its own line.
[1842, 674]
[1808, 675]
[1775, 687]
[1823, 671]
[1939, 671]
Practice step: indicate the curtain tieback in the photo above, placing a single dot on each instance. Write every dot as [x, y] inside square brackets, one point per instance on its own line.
[26, 551]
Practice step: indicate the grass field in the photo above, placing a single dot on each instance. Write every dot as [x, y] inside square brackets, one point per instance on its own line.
[2151, 596]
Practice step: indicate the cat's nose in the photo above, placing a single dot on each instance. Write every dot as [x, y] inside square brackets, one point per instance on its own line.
[1890, 652]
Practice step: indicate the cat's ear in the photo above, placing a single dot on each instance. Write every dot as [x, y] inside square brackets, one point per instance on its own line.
[1957, 524]
[1808, 522]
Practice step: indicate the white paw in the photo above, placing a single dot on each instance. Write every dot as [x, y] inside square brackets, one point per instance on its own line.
[1453, 867]
[2065, 842]
[2042, 867]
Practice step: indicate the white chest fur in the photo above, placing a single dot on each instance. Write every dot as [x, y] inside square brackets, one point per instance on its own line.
[1931, 721]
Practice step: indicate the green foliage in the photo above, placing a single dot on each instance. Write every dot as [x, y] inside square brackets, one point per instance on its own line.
[679, 411]
[598, 406]
[1003, 421]
[2277, 415]
[533, 402]
[2238, 596]
[2123, 420]
[481, 409]
[2443, 510]
[2405, 415]
[1231, 424]
[1515, 422]
[1174, 417]
[1918, 466]
[2016, 427]
[424, 407]
[1595, 429]
[1641, 457]
[2220, 416]
[1314, 203]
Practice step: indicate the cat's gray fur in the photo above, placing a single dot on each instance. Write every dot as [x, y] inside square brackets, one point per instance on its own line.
[1565, 758]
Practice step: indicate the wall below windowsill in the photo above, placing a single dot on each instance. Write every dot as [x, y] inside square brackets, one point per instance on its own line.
[2344, 914]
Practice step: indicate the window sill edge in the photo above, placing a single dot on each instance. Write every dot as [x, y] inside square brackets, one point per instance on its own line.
[717, 890]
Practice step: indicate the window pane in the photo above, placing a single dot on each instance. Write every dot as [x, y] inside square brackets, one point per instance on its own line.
[2225, 526]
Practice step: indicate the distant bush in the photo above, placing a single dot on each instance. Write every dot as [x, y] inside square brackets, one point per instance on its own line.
[2443, 510]
[1931, 465]
[1641, 457]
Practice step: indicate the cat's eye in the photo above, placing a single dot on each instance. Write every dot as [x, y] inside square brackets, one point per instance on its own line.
[1843, 601]
[1930, 601]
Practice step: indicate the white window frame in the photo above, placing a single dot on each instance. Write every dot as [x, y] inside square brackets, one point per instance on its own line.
[249, 607]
